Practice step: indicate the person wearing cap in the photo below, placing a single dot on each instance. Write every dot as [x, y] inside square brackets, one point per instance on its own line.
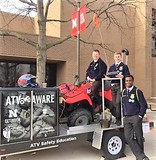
[121, 70]
[96, 71]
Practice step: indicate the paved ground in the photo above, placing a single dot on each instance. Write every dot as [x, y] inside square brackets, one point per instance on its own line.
[83, 150]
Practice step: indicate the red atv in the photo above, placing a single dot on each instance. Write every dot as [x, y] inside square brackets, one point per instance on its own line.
[78, 103]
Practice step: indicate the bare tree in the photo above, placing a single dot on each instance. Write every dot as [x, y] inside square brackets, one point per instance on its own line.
[105, 11]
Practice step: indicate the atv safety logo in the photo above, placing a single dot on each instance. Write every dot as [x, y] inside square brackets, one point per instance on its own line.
[36, 99]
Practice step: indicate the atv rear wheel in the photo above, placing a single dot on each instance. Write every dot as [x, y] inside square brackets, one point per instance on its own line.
[79, 117]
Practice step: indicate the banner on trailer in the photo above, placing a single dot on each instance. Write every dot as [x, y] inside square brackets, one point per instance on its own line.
[28, 114]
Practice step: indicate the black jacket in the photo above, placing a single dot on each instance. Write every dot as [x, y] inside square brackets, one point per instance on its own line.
[97, 70]
[134, 103]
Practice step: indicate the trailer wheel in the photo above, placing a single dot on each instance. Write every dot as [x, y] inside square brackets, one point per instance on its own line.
[113, 144]
[79, 117]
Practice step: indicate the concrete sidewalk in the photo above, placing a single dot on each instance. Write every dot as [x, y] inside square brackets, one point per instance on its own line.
[83, 150]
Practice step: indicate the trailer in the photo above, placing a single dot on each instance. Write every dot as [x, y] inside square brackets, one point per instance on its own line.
[30, 122]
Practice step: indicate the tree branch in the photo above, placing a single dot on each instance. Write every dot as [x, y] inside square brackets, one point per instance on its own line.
[47, 7]
[96, 43]
[18, 36]
[57, 20]
[58, 42]
[30, 3]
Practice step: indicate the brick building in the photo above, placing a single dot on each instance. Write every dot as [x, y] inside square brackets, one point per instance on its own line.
[137, 35]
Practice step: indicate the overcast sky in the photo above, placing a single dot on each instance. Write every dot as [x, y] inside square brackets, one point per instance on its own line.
[11, 6]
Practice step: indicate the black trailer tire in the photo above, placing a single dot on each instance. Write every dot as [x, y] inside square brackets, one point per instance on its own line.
[79, 117]
[113, 144]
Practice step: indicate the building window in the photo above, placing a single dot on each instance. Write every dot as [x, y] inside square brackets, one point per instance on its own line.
[10, 72]
[153, 32]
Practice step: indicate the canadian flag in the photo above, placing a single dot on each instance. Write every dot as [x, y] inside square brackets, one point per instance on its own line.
[75, 21]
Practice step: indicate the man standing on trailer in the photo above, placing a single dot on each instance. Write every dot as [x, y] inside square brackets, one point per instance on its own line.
[134, 108]
[122, 70]
[96, 71]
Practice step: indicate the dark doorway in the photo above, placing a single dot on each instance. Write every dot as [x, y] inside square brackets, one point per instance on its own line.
[51, 74]
[11, 71]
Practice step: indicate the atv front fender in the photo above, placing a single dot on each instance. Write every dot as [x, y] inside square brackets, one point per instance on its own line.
[78, 98]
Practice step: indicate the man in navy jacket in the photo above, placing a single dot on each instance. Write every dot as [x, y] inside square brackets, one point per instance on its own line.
[134, 108]
[96, 71]
[122, 70]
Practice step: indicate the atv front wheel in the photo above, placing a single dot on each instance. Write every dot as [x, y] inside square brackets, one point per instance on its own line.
[79, 117]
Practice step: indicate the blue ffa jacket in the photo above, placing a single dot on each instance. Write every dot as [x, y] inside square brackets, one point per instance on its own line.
[121, 69]
[133, 103]
[97, 70]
